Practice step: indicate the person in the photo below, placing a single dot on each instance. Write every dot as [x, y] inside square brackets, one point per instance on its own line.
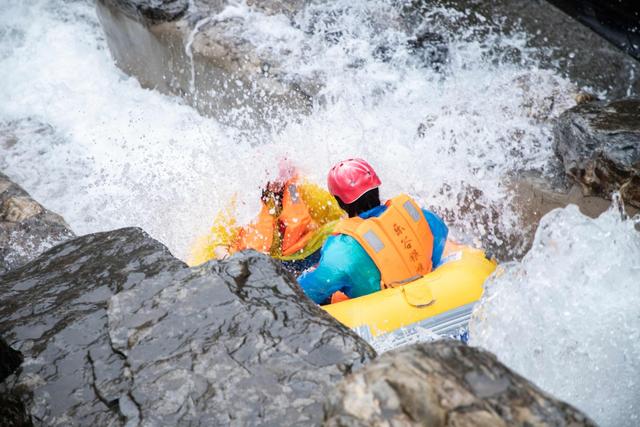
[295, 218]
[284, 220]
[290, 226]
[379, 245]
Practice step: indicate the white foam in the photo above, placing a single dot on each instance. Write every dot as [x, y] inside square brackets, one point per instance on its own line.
[568, 316]
[113, 154]
[121, 155]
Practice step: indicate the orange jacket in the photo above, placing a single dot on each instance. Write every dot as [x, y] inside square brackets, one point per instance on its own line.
[399, 241]
[294, 225]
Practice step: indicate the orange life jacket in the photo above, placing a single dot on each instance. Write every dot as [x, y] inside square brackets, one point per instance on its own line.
[399, 241]
[294, 223]
[258, 235]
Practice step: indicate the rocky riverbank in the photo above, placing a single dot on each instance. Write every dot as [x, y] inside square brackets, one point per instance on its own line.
[114, 330]
[445, 383]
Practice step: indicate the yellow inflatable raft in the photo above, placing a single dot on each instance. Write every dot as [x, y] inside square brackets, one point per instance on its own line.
[441, 301]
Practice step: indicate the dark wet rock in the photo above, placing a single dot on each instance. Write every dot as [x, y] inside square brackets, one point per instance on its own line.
[444, 383]
[115, 329]
[55, 312]
[432, 48]
[562, 43]
[10, 360]
[259, 352]
[153, 10]
[617, 21]
[599, 145]
[26, 228]
[12, 411]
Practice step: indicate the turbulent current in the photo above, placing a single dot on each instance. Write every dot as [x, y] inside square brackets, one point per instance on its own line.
[90, 143]
[568, 315]
[105, 153]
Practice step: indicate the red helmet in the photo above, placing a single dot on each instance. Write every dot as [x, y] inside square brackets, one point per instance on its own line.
[351, 178]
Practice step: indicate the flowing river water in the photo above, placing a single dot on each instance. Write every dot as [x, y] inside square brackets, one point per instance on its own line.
[90, 143]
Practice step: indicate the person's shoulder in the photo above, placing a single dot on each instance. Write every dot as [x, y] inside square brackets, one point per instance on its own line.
[436, 223]
[340, 240]
[428, 212]
[341, 246]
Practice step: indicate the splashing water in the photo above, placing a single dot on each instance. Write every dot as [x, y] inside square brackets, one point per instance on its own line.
[189, 51]
[568, 316]
[89, 143]
[121, 155]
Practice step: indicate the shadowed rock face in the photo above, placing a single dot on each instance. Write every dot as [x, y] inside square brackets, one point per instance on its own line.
[599, 145]
[10, 359]
[113, 328]
[618, 22]
[26, 228]
[444, 383]
[563, 43]
[12, 411]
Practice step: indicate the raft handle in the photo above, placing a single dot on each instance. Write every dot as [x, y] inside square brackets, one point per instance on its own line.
[424, 299]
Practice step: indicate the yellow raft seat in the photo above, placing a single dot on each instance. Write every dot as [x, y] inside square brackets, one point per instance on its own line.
[441, 301]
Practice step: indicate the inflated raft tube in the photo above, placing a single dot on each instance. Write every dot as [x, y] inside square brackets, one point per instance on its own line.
[441, 301]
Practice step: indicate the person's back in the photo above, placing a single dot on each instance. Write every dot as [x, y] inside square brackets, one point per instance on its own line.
[379, 245]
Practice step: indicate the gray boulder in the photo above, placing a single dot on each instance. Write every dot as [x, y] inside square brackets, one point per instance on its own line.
[599, 145]
[153, 10]
[444, 383]
[114, 329]
[26, 228]
[183, 51]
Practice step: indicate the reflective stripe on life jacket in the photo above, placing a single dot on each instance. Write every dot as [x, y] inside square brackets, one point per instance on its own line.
[399, 241]
[295, 223]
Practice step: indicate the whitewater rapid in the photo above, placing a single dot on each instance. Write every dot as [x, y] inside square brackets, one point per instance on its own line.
[568, 315]
[91, 144]
[115, 154]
